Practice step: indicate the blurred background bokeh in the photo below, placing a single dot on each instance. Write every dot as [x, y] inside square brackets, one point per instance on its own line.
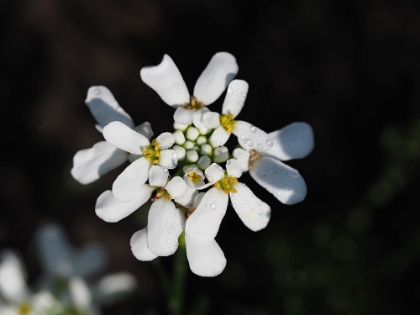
[349, 69]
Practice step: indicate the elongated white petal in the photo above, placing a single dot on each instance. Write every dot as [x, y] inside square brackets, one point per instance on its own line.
[127, 185]
[112, 287]
[197, 120]
[295, 141]
[165, 224]
[111, 210]
[251, 137]
[219, 137]
[198, 199]
[235, 97]
[211, 120]
[12, 277]
[243, 157]
[105, 108]
[158, 176]
[125, 138]
[54, 250]
[203, 224]
[165, 140]
[221, 69]
[139, 246]
[145, 129]
[90, 164]
[176, 187]
[168, 159]
[206, 259]
[214, 173]
[284, 182]
[167, 81]
[233, 167]
[183, 116]
[187, 198]
[253, 212]
[80, 293]
[90, 260]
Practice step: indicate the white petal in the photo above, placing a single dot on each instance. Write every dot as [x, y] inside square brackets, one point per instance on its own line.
[180, 152]
[115, 286]
[90, 164]
[111, 210]
[187, 198]
[54, 249]
[127, 185]
[90, 260]
[243, 157]
[203, 224]
[179, 137]
[42, 302]
[221, 154]
[80, 293]
[139, 246]
[158, 176]
[214, 173]
[105, 108]
[211, 120]
[206, 259]
[251, 137]
[194, 185]
[183, 116]
[176, 187]
[235, 97]
[12, 278]
[284, 182]
[145, 129]
[295, 141]
[165, 140]
[168, 159]
[198, 199]
[253, 212]
[165, 224]
[197, 117]
[233, 167]
[167, 81]
[125, 138]
[132, 157]
[219, 137]
[221, 69]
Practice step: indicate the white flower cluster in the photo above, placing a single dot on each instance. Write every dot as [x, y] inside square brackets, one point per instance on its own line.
[197, 154]
[66, 286]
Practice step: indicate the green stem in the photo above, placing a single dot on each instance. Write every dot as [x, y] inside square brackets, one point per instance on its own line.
[176, 301]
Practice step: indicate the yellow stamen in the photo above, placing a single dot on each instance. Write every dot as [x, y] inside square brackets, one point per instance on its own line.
[253, 156]
[24, 309]
[226, 184]
[152, 152]
[194, 104]
[227, 122]
[162, 193]
[194, 177]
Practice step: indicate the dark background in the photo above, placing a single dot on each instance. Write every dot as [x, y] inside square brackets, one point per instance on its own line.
[348, 68]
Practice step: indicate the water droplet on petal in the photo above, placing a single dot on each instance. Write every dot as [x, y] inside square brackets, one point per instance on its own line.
[97, 91]
[199, 223]
[175, 156]
[259, 204]
[229, 91]
[270, 143]
[249, 142]
[253, 129]
[165, 170]
[213, 206]
[188, 233]
[213, 262]
[165, 79]
[260, 212]
[228, 162]
[211, 220]
[218, 143]
[243, 137]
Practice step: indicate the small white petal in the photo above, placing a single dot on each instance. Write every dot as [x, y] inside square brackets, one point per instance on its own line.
[211, 120]
[197, 120]
[165, 140]
[111, 210]
[115, 286]
[221, 154]
[80, 293]
[90, 260]
[167, 82]
[295, 141]
[168, 159]
[203, 224]
[126, 187]
[206, 259]
[221, 69]
[201, 140]
[187, 198]
[251, 137]
[90, 164]
[192, 156]
[125, 138]
[204, 162]
[139, 246]
[243, 157]
[165, 224]
[214, 173]
[176, 187]
[253, 212]
[180, 127]
[284, 182]
[41, 302]
[192, 133]
[235, 97]
[105, 108]
[183, 116]
[180, 152]
[145, 129]
[179, 137]
[206, 149]
[158, 176]
[219, 137]
[233, 168]
[12, 278]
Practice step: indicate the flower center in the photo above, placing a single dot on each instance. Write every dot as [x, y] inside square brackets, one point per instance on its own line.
[227, 122]
[253, 156]
[152, 152]
[194, 104]
[24, 309]
[226, 184]
[162, 193]
[194, 177]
